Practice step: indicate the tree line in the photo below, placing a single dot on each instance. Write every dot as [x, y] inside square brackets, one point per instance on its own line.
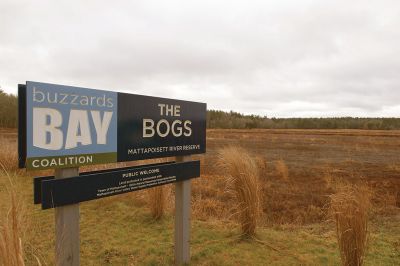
[221, 119]
[230, 120]
[8, 110]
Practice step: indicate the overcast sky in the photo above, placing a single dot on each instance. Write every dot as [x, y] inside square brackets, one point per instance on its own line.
[277, 58]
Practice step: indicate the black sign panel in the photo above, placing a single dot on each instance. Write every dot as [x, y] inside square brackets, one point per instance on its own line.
[37, 181]
[151, 127]
[65, 191]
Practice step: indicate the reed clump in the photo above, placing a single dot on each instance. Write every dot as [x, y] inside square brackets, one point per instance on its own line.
[350, 206]
[157, 201]
[12, 224]
[158, 196]
[244, 185]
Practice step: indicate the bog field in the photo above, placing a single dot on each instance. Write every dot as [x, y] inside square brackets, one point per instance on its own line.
[301, 176]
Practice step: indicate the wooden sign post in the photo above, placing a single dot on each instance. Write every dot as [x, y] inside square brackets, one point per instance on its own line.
[182, 218]
[67, 227]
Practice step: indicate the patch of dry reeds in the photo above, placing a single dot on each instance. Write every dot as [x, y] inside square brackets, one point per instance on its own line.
[8, 154]
[157, 196]
[157, 201]
[244, 185]
[350, 206]
[282, 169]
[12, 227]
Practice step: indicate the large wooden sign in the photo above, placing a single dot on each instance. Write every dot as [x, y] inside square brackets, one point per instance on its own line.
[63, 126]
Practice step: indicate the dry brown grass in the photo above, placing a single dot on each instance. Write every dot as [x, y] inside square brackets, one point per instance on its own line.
[282, 169]
[244, 185]
[261, 164]
[328, 178]
[8, 154]
[208, 201]
[158, 196]
[12, 228]
[204, 209]
[350, 207]
[157, 201]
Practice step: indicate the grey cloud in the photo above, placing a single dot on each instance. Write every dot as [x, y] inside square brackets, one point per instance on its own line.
[275, 58]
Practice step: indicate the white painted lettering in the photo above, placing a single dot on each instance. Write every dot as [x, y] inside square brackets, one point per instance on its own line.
[78, 129]
[148, 125]
[188, 129]
[165, 122]
[178, 128]
[101, 126]
[46, 122]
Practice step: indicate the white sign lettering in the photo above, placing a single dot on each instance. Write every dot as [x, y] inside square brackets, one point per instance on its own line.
[47, 133]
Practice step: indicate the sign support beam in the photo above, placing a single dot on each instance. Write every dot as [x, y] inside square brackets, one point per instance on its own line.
[67, 227]
[182, 218]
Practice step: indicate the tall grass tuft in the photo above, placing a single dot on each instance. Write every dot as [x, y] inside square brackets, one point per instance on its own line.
[350, 207]
[11, 230]
[157, 196]
[244, 185]
[157, 201]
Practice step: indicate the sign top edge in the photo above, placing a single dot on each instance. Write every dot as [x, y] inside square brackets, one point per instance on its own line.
[119, 92]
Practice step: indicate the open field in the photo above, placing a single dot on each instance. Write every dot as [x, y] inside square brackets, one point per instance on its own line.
[300, 169]
[316, 161]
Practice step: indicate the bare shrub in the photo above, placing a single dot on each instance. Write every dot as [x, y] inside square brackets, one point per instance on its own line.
[350, 207]
[244, 185]
[157, 201]
[282, 169]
